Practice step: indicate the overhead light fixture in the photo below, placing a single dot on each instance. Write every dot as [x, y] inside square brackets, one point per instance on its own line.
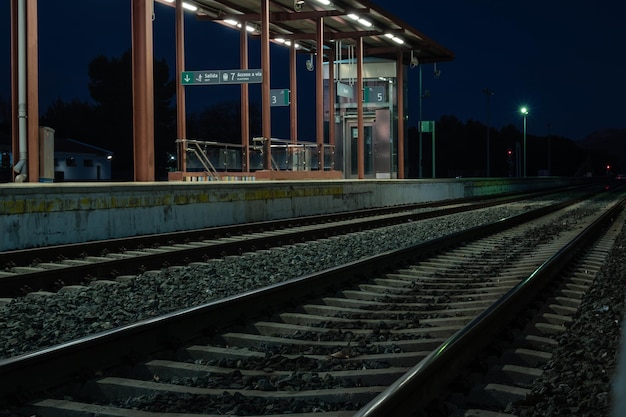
[324, 2]
[287, 42]
[394, 38]
[360, 20]
[190, 7]
[186, 5]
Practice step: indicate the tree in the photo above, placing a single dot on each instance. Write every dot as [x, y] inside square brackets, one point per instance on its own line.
[5, 116]
[111, 88]
[221, 122]
[73, 119]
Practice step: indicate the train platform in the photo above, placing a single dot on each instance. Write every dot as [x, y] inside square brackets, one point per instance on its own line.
[40, 214]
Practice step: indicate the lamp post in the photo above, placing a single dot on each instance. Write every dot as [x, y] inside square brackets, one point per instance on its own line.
[419, 127]
[524, 112]
[488, 94]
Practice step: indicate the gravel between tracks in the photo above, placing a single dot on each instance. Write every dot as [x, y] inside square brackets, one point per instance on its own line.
[36, 322]
[576, 382]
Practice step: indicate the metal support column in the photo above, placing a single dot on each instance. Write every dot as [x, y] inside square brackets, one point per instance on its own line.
[359, 107]
[143, 90]
[293, 93]
[319, 92]
[181, 120]
[332, 97]
[265, 87]
[32, 90]
[400, 106]
[245, 101]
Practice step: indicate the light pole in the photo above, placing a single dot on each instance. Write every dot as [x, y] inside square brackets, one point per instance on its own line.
[524, 112]
[488, 94]
[549, 158]
[419, 127]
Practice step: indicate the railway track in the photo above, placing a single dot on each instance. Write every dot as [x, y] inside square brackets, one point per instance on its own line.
[348, 334]
[51, 268]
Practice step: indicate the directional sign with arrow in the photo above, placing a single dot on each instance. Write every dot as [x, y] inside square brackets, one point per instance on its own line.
[209, 77]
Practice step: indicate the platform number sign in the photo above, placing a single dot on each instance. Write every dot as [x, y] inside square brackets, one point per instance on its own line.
[279, 97]
[374, 94]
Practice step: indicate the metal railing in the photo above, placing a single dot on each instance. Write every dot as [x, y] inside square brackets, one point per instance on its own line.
[213, 157]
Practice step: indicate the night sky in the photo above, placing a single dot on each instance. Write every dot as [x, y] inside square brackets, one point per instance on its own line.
[566, 63]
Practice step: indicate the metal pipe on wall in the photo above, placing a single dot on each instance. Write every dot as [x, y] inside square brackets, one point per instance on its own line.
[20, 166]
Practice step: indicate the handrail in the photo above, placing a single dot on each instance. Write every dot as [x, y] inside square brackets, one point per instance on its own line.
[285, 154]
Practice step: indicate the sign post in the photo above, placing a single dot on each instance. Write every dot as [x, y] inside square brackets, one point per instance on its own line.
[428, 126]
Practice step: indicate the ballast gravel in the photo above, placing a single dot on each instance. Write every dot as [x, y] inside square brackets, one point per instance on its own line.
[576, 382]
[39, 321]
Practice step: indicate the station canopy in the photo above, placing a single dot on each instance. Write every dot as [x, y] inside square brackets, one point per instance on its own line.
[344, 20]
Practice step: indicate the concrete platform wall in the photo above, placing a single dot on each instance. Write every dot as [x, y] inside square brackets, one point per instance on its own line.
[35, 214]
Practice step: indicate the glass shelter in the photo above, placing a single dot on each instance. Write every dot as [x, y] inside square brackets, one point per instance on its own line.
[380, 121]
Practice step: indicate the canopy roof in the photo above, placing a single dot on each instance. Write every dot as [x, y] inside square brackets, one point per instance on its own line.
[344, 21]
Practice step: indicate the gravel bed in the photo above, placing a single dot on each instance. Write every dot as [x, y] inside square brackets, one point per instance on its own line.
[36, 322]
[577, 380]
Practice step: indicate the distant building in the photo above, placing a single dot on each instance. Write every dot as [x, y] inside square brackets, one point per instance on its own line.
[73, 161]
[79, 161]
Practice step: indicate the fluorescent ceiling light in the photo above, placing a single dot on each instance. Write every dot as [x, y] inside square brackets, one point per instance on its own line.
[231, 22]
[365, 22]
[353, 16]
[324, 2]
[287, 42]
[189, 7]
[394, 38]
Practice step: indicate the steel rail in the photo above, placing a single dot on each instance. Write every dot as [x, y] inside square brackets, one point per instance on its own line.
[23, 376]
[47, 279]
[421, 384]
